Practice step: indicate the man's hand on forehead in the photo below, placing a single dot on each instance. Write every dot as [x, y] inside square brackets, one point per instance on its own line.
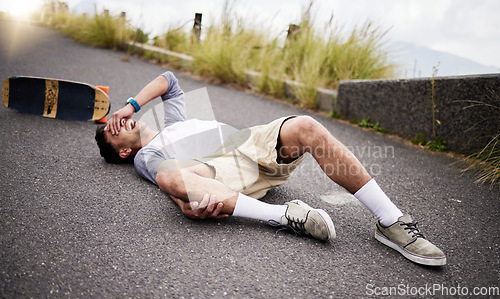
[119, 118]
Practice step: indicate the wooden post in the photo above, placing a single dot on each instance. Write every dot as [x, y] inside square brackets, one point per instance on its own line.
[292, 31]
[197, 26]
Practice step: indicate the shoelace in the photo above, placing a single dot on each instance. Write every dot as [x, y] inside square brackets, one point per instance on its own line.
[412, 227]
[297, 227]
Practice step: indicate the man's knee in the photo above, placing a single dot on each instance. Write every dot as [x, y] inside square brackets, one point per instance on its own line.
[307, 123]
[308, 129]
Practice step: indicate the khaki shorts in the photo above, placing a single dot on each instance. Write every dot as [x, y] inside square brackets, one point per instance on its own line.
[247, 161]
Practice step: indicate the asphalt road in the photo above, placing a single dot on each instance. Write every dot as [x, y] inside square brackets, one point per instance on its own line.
[73, 226]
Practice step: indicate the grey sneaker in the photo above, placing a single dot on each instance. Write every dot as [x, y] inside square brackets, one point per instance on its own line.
[303, 219]
[405, 237]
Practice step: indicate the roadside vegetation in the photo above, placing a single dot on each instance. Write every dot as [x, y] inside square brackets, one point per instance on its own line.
[101, 30]
[486, 163]
[232, 45]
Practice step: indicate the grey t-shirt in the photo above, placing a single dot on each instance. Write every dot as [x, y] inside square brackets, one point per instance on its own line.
[173, 101]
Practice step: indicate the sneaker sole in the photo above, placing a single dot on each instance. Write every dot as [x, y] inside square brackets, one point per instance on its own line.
[326, 218]
[411, 256]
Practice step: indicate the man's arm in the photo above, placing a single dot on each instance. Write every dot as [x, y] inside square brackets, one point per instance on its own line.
[202, 206]
[188, 182]
[154, 89]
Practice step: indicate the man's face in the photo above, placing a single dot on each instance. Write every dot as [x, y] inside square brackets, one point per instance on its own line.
[129, 135]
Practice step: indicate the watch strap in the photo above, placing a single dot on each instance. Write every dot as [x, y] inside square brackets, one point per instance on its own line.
[134, 104]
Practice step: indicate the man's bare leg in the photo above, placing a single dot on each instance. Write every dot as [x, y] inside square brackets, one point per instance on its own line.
[303, 134]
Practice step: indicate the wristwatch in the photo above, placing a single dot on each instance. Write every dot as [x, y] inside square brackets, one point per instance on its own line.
[134, 104]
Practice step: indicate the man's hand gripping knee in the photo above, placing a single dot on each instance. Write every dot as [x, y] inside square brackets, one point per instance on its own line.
[205, 209]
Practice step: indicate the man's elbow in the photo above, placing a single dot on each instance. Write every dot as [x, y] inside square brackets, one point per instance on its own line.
[162, 84]
[168, 182]
[162, 181]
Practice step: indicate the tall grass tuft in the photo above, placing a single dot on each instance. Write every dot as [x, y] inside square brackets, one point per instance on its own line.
[304, 57]
[268, 61]
[359, 56]
[223, 55]
[102, 30]
[175, 39]
[486, 163]
[227, 49]
[318, 60]
[106, 31]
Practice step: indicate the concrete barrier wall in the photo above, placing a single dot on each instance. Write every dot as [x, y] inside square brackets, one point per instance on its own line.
[404, 107]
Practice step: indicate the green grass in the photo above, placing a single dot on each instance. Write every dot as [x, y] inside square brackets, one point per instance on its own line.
[308, 57]
[486, 163]
[226, 50]
[224, 55]
[174, 39]
[359, 56]
[304, 59]
[366, 124]
[436, 145]
[268, 61]
[106, 31]
[233, 45]
[101, 30]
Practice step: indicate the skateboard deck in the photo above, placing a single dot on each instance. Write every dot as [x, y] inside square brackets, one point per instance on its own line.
[55, 98]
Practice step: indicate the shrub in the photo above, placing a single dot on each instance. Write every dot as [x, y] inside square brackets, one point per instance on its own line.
[175, 39]
[106, 31]
[486, 163]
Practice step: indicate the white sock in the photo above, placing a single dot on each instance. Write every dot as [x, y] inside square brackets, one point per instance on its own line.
[372, 196]
[255, 209]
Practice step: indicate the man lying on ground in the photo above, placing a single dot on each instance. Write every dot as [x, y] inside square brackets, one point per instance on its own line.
[211, 170]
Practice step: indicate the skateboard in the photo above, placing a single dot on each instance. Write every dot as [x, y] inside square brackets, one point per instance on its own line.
[55, 98]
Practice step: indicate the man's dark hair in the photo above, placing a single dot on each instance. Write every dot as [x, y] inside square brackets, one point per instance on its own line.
[107, 151]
